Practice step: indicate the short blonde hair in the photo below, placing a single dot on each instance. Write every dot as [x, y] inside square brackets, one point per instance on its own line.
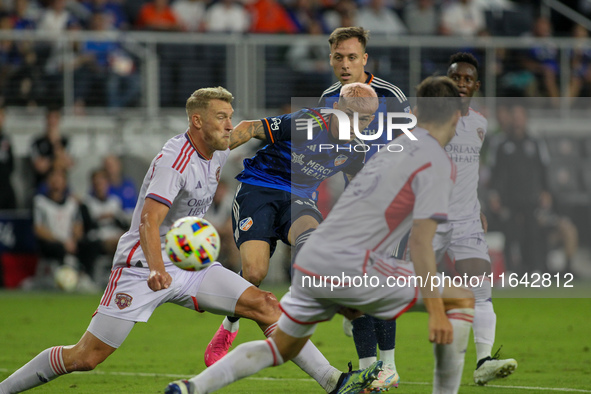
[359, 96]
[200, 98]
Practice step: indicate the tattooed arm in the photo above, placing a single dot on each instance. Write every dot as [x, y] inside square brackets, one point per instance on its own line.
[246, 130]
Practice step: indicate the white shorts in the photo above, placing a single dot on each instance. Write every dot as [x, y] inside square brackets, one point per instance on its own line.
[460, 240]
[214, 289]
[306, 305]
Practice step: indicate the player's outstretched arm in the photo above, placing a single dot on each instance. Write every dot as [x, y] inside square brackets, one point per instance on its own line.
[246, 130]
[423, 258]
[153, 214]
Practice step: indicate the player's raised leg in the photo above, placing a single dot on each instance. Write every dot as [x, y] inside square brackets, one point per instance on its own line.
[89, 352]
[255, 257]
[224, 292]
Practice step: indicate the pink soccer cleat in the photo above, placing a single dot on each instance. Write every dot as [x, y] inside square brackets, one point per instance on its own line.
[219, 345]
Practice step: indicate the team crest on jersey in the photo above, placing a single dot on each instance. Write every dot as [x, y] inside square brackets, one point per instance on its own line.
[245, 224]
[480, 132]
[218, 173]
[123, 300]
[340, 160]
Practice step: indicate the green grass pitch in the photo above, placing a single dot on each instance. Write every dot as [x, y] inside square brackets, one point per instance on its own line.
[550, 338]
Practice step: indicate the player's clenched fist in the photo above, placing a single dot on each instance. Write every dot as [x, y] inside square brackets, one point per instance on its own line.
[159, 280]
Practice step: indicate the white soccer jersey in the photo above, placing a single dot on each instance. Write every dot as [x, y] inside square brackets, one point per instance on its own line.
[179, 177]
[59, 218]
[464, 150]
[377, 209]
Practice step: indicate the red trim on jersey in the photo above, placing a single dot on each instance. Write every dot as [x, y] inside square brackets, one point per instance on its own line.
[160, 199]
[370, 79]
[461, 316]
[402, 205]
[303, 323]
[272, 351]
[194, 145]
[187, 161]
[473, 110]
[196, 304]
[269, 129]
[130, 255]
[182, 153]
[113, 279]
[410, 304]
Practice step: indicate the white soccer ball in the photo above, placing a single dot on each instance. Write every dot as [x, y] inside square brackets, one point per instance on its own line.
[192, 243]
[66, 278]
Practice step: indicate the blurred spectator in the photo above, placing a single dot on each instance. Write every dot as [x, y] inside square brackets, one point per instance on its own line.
[54, 19]
[7, 197]
[421, 17]
[219, 214]
[191, 14]
[462, 18]
[25, 15]
[122, 187]
[116, 18]
[580, 83]
[562, 236]
[309, 63]
[105, 64]
[304, 13]
[106, 214]
[49, 151]
[157, 15]
[542, 61]
[518, 184]
[57, 223]
[24, 87]
[269, 16]
[227, 16]
[343, 14]
[380, 20]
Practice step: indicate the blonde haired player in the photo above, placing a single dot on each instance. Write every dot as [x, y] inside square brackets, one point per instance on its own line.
[180, 181]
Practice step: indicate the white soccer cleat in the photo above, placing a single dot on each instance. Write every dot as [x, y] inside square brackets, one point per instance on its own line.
[347, 327]
[490, 369]
[387, 378]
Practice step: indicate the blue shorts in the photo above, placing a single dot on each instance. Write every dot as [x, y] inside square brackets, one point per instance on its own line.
[264, 214]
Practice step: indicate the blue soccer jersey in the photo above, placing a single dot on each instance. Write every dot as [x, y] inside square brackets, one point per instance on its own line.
[297, 162]
[391, 100]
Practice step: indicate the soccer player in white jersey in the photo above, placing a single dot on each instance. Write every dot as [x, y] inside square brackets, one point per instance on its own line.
[375, 211]
[462, 237]
[181, 181]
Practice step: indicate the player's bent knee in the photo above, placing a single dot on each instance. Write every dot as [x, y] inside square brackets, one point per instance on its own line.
[258, 305]
[458, 297]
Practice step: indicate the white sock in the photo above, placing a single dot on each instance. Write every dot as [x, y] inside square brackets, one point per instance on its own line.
[45, 367]
[366, 362]
[247, 359]
[449, 359]
[485, 320]
[387, 357]
[228, 325]
[312, 362]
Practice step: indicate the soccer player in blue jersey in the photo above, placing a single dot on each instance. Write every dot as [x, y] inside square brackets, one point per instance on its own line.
[276, 199]
[348, 59]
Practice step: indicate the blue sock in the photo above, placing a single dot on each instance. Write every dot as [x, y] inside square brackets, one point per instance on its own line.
[365, 337]
[385, 333]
